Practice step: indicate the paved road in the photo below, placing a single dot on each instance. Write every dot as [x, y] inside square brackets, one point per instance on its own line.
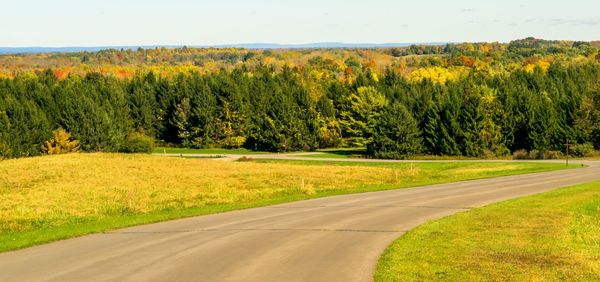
[330, 239]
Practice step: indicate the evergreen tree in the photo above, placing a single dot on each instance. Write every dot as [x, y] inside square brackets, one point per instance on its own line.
[588, 120]
[490, 133]
[396, 134]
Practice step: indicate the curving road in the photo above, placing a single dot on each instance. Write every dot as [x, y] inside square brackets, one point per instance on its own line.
[329, 239]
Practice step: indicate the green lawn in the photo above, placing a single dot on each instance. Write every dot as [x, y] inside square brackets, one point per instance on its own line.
[169, 150]
[48, 198]
[548, 237]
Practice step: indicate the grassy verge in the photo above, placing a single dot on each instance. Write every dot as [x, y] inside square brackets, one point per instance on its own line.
[168, 150]
[341, 153]
[361, 153]
[325, 155]
[55, 197]
[548, 237]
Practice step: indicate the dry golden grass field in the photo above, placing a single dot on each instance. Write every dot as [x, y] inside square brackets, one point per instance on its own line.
[53, 197]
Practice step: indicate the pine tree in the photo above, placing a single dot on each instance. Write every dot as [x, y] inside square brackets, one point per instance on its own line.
[396, 135]
[182, 122]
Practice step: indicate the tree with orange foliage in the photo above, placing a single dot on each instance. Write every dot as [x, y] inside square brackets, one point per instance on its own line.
[467, 61]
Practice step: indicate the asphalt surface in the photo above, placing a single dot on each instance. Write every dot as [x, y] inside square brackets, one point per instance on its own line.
[329, 239]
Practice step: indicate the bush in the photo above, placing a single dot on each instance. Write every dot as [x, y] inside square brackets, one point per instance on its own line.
[60, 143]
[235, 142]
[500, 151]
[137, 143]
[551, 155]
[5, 151]
[583, 150]
[536, 155]
[245, 159]
[521, 155]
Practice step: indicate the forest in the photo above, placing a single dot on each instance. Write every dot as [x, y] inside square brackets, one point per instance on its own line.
[469, 99]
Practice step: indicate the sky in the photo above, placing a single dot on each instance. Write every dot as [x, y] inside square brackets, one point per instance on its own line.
[61, 23]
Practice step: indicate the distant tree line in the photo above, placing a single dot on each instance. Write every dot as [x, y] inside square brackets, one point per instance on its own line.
[264, 109]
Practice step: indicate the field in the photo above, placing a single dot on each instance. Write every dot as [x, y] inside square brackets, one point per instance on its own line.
[53, 197]
[167, 150]
[549, 237]
[340, 153]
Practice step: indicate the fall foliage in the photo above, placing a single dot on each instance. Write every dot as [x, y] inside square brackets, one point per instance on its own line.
[61, 143]
[469, 99]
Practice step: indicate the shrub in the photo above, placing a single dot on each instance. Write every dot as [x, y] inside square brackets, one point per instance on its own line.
[500, 151]
[551, 155]
[583, 150]
[521, 155]
[245, 159]
[60, 143]
[235, 142]
[5, 151]
[487, 154]
[535, 155]
[137, 142]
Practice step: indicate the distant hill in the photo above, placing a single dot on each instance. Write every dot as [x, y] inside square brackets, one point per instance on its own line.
[320, 45]
[24, 50]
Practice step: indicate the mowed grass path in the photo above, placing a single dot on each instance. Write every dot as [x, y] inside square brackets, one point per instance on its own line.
[548, 237]
[169, 150]
[54, 197]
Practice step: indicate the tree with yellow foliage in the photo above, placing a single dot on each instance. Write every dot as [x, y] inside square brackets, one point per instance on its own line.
[438, 75]
[61, 143]
[358, 122]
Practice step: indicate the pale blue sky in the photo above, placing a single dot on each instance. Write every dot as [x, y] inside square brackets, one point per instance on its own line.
[187, 22]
